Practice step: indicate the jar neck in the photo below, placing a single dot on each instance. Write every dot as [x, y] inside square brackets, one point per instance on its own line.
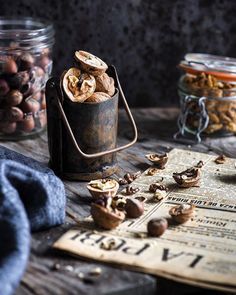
[25, 34]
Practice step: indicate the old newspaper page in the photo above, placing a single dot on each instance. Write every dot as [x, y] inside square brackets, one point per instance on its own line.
[200, 252]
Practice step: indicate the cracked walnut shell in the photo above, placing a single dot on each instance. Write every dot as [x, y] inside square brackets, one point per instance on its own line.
[105, 217]
[90, 63]
[187, 178]
[158, 160]
[103, 187]
[182, 213]
[78, 86]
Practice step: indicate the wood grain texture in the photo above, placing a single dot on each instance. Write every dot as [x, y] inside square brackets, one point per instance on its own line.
[156, 128]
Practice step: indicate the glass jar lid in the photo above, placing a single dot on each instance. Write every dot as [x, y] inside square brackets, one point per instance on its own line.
[221, 67]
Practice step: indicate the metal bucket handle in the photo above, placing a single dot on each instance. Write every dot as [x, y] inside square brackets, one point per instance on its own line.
[94, 155]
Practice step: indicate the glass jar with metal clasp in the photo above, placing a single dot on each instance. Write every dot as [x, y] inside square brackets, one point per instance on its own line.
[207, 93]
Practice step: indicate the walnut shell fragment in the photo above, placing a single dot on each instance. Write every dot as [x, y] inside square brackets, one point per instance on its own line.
[78, 86]
[90, 63]
[98, 97]
[105, 217]
[220, 159]
[103, 187]
[104, 83]
[159, 160]
[187, 178]
[182, 213]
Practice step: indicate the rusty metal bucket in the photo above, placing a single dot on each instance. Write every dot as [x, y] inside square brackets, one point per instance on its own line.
[82, 137]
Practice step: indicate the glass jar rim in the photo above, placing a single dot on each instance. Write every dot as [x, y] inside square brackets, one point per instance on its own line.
[10, 26]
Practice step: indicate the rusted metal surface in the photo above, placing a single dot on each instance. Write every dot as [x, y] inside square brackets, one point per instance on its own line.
[82, 136]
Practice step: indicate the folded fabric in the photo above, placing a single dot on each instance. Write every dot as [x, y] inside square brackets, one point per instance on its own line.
[31, 198]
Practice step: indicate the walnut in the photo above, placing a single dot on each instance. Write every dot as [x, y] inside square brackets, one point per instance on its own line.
[182, 213]
[187, 178]
[98, 97]
[106, 216]
[103, 187]
[90, 63]
[78, 86]
[104, 83]
[159, 160]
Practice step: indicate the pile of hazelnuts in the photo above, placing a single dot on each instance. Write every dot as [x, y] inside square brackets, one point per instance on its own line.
[22, 97]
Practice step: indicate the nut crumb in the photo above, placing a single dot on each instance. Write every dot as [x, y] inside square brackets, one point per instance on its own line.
[109, 244]
[140, 235]
[95, 271]
[152, 171]
[69, 268]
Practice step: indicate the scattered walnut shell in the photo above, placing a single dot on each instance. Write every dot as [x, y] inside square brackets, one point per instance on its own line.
[78, 86]
[187, 178]
[90, 63]
[220, 159]
[118, 202]
[109, 245]
[159, 160]
[131, 190]
[106, 218]
[98, 97]
[103, 187]
[157, 186]
[104, 83]
[152, 171]
[182, 213]
[200, 164]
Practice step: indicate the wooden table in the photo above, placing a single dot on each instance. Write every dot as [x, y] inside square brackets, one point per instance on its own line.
[50, 272]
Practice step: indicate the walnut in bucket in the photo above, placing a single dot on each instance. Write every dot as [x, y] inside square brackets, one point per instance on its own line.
[90, 63]
[104, 83]
[187, 178]
[103, 187]
[78, 86]
[98, 97]
[158, 160]
[104, 215]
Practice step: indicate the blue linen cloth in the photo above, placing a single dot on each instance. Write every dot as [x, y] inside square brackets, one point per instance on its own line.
[31, 198]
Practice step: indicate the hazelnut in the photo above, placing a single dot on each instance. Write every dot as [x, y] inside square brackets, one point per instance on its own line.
[42, 119]
[14, 97]
[103, 187]
[30, 106]
[8, 127]
[44, 62]
[90, 63]
[159, 160]
[4, 88]
[104, 83]
[157, 226]
[43, 101]
[98, 97]
[105, 217]
[187, 178]
[7, 65]
[18, 80]
[77, 86]
[13, 114]
[27, 124]
[182, 213]
[26, 61]
[134, 208]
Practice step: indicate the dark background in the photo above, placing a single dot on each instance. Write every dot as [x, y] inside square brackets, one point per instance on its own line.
[144, 39]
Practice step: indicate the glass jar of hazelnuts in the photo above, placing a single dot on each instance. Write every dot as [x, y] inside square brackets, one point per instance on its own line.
[25, 65]
[207, 93]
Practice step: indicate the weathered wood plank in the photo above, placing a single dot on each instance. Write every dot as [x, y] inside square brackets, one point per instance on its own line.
[156, 128]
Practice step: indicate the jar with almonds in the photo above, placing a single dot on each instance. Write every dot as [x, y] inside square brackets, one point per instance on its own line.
[207, 93]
